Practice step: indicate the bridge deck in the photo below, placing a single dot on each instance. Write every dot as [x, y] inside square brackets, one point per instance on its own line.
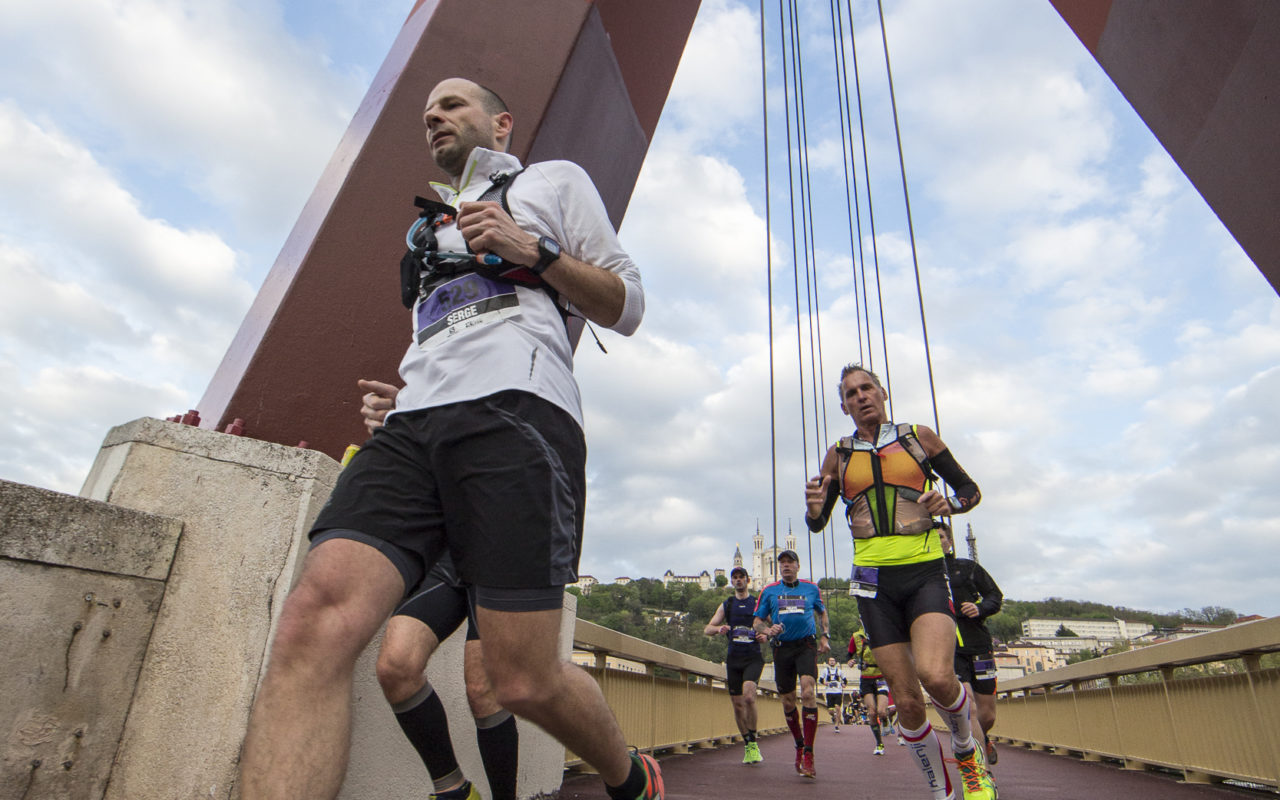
[847, 769]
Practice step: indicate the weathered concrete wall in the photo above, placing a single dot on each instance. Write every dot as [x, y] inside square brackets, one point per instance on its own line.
[80, 586]
[136, 630]
[246, 506]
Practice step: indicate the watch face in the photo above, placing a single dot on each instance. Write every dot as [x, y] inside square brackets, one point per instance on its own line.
[548, 251]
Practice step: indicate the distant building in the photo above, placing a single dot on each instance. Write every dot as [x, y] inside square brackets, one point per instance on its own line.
[585, 584]
[1109, 629]
[622, 580]
[1067, 645]
[1031, 657]
[702, 579]
[764, 560]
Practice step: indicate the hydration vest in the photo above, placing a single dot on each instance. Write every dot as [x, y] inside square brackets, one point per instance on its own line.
[880, 482]
[419, 271]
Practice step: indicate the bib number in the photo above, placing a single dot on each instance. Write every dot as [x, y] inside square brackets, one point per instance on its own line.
[741, 635]
[984, 669]
[464, 303]
[865, 582]
[790, 605]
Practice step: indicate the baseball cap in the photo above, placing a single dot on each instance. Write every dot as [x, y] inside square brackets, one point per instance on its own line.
[789, 554]
[736, 570]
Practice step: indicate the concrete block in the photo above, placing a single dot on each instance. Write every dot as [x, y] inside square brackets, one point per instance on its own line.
[73, 645]
[53, 528]
[246, 506]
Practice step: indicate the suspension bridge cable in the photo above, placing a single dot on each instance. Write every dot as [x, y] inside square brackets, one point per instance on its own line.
[871, 215]
[808, 229]
[788, 70]
[906, 196]
[846, 158]
[768, 258]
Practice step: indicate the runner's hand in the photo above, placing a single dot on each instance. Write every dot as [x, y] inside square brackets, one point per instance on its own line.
[935, 503]
[489, 229]
[379, 398]
[969, 610]
[815, 494]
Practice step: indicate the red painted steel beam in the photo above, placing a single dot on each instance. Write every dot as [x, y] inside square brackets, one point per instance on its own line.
[586, 81]
[1205, 77]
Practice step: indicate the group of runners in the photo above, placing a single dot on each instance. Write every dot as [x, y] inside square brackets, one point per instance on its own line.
[921, 607]
[467, 503]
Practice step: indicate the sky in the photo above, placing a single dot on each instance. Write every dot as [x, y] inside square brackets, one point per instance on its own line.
[1105, 357]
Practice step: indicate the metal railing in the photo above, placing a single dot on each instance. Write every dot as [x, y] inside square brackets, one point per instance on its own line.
[677, 702]
[1203, 706]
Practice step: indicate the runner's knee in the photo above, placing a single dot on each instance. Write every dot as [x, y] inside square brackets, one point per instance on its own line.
[480, 696]
[399, 674]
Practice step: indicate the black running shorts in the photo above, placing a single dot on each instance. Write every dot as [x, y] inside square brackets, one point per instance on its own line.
[793, 659]
[741, 669]
[868, 686]
[441, 603]
[499, 483]
[965, 671]
[905, 593]
[834, 699]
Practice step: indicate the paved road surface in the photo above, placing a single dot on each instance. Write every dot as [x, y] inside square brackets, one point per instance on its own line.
[847, 770]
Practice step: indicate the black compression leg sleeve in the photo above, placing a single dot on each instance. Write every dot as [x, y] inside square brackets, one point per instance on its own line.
[425, 724]
[500, 751]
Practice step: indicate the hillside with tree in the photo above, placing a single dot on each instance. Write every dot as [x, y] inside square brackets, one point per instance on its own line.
[674, 615]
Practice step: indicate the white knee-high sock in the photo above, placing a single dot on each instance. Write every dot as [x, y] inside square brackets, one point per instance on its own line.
[925, 748]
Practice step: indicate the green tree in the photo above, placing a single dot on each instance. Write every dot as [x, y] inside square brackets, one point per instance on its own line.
[1063, 630]
[721, 581]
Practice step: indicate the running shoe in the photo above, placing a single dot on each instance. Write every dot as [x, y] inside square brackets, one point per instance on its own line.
[901, 742]
[799, 758]
[992, 756]
[974, 778]
[806, 765]
[837, 729]
[752, 754]
[653, 789]
[472, 793]
[879, 751]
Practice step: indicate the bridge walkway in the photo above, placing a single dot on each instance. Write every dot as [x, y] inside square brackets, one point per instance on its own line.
[848, 770]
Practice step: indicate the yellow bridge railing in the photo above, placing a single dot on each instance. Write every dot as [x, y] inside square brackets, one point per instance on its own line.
[665, 700]
[1204, 706]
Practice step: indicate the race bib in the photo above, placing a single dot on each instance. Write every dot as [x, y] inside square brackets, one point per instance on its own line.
[742, 635]
[984, 669]
[465, 303]
[865, 582]
[790, 605]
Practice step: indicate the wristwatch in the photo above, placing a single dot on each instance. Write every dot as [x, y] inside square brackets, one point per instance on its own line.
[548, 252]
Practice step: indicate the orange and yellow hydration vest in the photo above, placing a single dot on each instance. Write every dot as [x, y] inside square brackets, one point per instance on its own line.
[880, 482]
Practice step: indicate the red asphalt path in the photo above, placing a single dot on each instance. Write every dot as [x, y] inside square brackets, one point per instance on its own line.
[847, 770]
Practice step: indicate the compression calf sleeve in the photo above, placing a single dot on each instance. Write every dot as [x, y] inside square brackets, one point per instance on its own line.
[875, 730]
[426, 726]
[957, 717]
[926, 751]
[499, 742]
[793, 722]
[810, 726]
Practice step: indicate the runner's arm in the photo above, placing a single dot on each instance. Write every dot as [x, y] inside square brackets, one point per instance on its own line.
[821, 491]
[716, 626]
[966, 490]
[992, 597]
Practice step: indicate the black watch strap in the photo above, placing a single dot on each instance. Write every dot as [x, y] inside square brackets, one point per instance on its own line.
[548, 252]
